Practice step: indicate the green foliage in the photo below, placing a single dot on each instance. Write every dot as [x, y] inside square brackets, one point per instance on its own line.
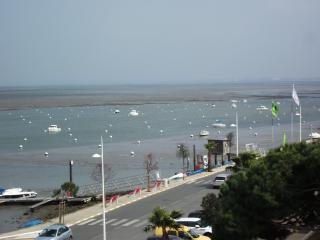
[210, 147]
[56, 192]
[210, 205]
[244, 160]
[70, 187]
[264, 193]
[164, 219]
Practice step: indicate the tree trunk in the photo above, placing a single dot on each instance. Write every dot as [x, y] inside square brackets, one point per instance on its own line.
[148, 183]
[183, 168]
[209, 162]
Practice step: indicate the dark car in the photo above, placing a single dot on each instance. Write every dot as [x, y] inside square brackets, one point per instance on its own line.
[195, 214]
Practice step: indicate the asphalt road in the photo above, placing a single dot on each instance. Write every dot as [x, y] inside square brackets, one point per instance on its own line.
[128, 222]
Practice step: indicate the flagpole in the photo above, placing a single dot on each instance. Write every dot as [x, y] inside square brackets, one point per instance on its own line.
[291, 136]
[272, 131]
[237, 131]
[300, 124]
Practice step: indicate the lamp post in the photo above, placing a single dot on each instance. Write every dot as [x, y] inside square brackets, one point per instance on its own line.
[70, 170]
[96, 155]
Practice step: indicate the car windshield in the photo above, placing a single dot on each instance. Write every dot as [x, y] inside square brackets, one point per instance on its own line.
[193, 234]
[219, 178]
[48, 233]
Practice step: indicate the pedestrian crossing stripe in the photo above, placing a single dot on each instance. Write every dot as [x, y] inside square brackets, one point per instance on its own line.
[87, 221]
[95, 222]
[119, 222]
[144, 222]
[130, 222]
[112, 220]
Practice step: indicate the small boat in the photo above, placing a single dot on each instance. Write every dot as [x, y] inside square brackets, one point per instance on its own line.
[54, 128]
[297, 114]
[262, 108]
[31, 223]
[233, 125]
[314, 135]
[133, 113]
[218, 125]
[17, 193]
[233, 105]
[116, 111]
[204, 133]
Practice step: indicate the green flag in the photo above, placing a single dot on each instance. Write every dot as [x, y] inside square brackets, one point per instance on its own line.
[284, 140]
[274, 109]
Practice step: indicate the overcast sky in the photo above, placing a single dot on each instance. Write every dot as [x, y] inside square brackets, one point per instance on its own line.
[70, 42]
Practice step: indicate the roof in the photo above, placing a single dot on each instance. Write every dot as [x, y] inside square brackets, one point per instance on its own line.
[188, 219]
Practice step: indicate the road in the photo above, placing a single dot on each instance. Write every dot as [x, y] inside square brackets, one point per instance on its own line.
[128, 221]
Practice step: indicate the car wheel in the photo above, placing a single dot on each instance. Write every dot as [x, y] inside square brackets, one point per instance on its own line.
[209, 235]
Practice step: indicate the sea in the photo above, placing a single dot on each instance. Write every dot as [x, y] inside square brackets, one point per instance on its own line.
[35, 159]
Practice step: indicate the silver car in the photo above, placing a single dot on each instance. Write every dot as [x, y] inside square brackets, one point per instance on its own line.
[55, 232]
[220, 179]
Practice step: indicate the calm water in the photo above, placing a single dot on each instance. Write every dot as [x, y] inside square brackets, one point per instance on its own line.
[160, 126]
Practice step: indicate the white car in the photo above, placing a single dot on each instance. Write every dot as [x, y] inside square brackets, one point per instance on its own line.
[196, 225]
[55, 232]
[220, 179]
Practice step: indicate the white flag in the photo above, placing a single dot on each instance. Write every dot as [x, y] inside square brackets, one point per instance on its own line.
[295, 96]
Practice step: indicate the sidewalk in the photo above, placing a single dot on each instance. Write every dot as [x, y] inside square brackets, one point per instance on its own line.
[93, 211]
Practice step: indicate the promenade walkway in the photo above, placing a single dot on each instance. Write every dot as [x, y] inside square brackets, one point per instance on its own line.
[93, 211]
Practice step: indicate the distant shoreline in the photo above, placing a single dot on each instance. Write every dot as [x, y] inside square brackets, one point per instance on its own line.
[79, 96]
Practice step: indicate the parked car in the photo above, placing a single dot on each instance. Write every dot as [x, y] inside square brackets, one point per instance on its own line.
[220, 179]
[55, 232]
[195, 214]
[182, 232]
[196, 225]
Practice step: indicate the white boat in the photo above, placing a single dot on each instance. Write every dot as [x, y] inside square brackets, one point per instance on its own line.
[54, 128]
[204, 133]
[133, 113]
[218, 125]
[17, 193]
[233, 125]
[297, 114]
[233, 105]
[262, 108]
[314, 135]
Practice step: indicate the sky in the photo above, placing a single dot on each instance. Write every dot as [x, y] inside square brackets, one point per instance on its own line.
[80, 42]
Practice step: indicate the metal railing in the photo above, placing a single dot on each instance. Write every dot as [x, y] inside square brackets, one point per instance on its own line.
[115, 185]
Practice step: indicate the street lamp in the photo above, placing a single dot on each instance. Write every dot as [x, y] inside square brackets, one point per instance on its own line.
[96, 155]
[70, 169]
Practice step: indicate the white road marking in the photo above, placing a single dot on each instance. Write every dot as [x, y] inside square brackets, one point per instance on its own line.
[130, 222]
[96, 222]
[144, 222]
[200, 181]
[87, 221]
[119, 222]
[110, 221]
